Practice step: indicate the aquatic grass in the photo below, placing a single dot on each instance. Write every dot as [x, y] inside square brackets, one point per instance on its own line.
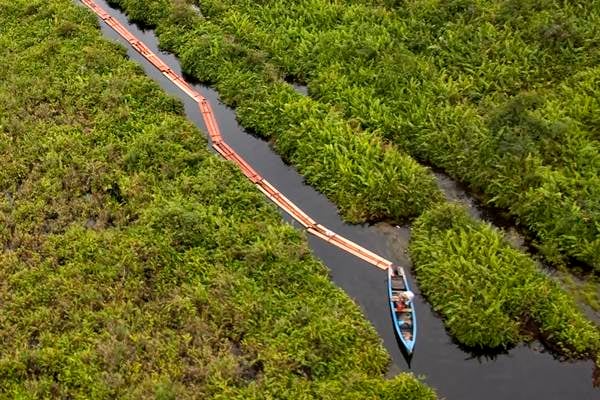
[135, 263]
[489, 292]
[585, 288]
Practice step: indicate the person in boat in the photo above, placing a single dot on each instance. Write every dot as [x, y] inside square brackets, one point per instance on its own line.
[403, 300]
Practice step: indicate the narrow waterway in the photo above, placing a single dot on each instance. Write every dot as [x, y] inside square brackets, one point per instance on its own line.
[526, 372]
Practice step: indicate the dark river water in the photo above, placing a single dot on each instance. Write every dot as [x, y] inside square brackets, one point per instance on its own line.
[525, 372]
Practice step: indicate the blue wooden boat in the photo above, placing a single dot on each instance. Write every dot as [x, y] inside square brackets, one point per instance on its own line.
[403, 310]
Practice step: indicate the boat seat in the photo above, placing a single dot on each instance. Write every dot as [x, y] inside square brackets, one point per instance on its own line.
[398, 284]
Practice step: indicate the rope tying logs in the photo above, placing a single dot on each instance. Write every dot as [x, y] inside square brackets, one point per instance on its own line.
[229, 154]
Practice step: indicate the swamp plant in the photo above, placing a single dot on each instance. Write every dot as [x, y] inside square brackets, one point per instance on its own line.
[503, 95]
[135, 263]
[489, 293]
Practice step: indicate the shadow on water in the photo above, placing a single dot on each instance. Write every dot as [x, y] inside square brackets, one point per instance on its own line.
[479, 354]
[407, 356]
[524, 372]
[457, 192]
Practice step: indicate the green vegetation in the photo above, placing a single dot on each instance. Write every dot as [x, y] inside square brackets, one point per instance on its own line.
[367, 180]
[490, 293]
[134, 263]
[503, 95]
[366, 61]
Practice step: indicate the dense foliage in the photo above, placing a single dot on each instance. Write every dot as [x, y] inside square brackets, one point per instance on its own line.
[134, 263]
[503, 95]
[366, 179]
[489, 293]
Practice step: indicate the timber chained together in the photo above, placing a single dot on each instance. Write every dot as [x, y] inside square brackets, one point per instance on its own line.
[228, 153]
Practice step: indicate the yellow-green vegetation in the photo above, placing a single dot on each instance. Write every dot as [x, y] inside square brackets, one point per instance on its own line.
[503, 94]
[366, 179]
[501, 127]
[585, 289]
[490, 293]
[134, 263]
